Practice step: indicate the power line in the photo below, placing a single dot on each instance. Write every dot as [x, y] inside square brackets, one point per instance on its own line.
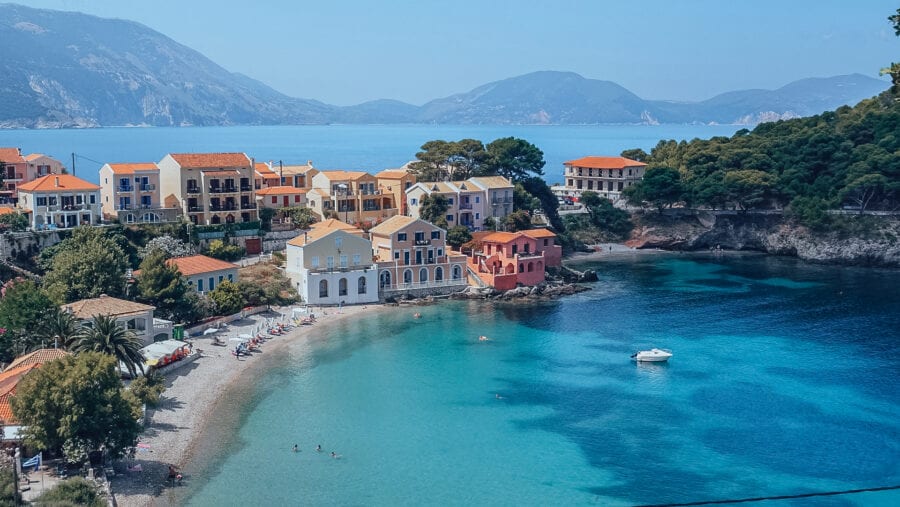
[779, 497]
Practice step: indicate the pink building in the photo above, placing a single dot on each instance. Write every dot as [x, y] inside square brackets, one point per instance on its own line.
[18, 169]
[507, 259]
[546, 244]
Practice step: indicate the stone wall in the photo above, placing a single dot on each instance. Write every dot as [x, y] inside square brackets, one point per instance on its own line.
[444, 290]
[14, 244]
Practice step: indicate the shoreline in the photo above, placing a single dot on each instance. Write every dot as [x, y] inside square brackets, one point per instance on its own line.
[182, 423]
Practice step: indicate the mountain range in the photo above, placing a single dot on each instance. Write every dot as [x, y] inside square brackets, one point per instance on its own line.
[67, 69]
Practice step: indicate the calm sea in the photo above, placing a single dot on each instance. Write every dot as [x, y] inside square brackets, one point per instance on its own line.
[784, 381]
[351, 147]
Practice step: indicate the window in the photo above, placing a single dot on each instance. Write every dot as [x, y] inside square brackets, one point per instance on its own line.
[423, 275]
[200, 285]
[212, 283]
[420, 237]
[477, 216]
[323, 289]
[342, 287]
[221, 277]
[93, 199]
[438, 274]
[343, 261]
[314, 262]
[450, 201]
[545, 241]
[457, 272]
[413, 202]
[361, 285]
[397, 255]
[330, 262]
[41, 201]
[338, 242]
[449, 218]
[435, 234]
[401, 236]
[274, 199]
[440, 252]
[230, 277]
[477, 199]
[296, 198]
[407, 276]
[356, 259]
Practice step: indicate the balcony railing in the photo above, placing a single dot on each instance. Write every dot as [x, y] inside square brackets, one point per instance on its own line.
[422, 242]
[501, 200]
[248, 205]
[466, 205]
[13, 176]
[148, 187]
[125, 188]
[246, 188]
[195, 209]
[193, 190]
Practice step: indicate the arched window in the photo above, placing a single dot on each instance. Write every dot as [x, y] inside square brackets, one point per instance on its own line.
[457, 272]
[361, 285]
[407, 276]
[530, 267]
[385, 279]
[129, 218]
[323, 289]
[342, 287]
[510, 269]
[540, 266]
[215, 220]
[438, 273]
[521, 268]
[229, 218]
[150, 218]
[423, 275]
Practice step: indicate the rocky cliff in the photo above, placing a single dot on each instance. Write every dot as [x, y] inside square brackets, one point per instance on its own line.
[869, 241]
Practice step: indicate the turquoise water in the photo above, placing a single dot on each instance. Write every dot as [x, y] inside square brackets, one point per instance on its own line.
[784, 381]
[352, 147]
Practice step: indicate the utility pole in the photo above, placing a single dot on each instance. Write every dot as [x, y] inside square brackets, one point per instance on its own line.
[73, 163]
[281, 171]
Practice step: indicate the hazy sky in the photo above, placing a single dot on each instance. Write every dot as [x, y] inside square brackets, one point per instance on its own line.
[349, 51]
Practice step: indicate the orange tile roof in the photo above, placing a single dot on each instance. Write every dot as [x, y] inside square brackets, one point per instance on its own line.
[539, 233]
[333, 223]
[394, 224]
[392, 174]
[33, 156]
[11, 155]
[196, 264]
[104, 305]
[344, 175]
[314, 234]
[297, 169]
[53, 182]
[492, 181]
[500, 237]
[284, 189]
[263, 169]
[6, 210]
[221, 174]
[39, 356]
[130, 168]
[604, 163]
[211, 159]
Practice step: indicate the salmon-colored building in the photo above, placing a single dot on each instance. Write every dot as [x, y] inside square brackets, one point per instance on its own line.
[507, 259]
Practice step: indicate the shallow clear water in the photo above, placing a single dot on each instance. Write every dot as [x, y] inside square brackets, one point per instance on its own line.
[352, 147]
[784, 381]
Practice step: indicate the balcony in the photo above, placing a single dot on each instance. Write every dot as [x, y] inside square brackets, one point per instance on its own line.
[148, 187]
[125, 188]
[193, 190]
[73, 207]
[372, 192]
[246, 188]
[466, 205]
[422, 242]
[248, 205]
[195, 209]
[13, 176]
[223, 207]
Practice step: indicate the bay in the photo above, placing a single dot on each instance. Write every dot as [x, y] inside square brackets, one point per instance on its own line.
[369, 148]
[784, 381]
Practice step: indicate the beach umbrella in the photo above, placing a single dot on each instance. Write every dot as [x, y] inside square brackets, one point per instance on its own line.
[210, 330]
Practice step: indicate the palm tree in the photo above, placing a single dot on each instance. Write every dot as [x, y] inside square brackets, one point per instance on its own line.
[60, 328]
[106, 335]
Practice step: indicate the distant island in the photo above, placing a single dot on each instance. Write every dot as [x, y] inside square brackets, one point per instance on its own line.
[65, 69]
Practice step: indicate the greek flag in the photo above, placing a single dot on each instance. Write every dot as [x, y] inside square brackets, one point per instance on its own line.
[33, 462]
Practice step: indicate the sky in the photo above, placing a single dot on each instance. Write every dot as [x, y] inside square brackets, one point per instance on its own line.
[345, 52]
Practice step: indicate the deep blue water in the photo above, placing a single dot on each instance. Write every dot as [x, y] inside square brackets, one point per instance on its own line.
[351, 147]
[784, 381]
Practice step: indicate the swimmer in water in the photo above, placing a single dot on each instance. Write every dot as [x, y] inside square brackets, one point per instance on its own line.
[483, 338]
[318, 448]
[295, 448]
[335, 456]
[417, 315]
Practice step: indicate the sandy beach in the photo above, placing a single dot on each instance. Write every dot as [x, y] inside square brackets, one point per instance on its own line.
[193, 392]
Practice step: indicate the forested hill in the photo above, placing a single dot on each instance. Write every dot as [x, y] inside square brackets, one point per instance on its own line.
[844, 158]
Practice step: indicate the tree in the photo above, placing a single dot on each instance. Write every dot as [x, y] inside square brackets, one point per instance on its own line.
[302, 218]
[610, 219]
[523, 200]
[514, 159]
[219, 249]
[517, 221]
[861, 190]
[71, 492]
[490, 223]
[661, 187]
[265, 284]
[894, 69]
[107, 336]
[748, 188]
[87, 264]
[227, 297]
[148, 388]
[77, 403]
[161, 284]
[590, 199]
[433, 208]
[636, 154]
[170, 246]
[458, 235]
[467, 158]
[537, 187]
[23, 308]
[15, 222]
[59, 328]
[433, 161]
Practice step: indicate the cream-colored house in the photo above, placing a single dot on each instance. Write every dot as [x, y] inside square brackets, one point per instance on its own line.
[131, 194]
[211, 188]
[413, 254]
[395, 182]
[469, 202]
[332, 264]
[60, 201]
[134, 316]
[281, 197]
[607, 176]
[354, 195]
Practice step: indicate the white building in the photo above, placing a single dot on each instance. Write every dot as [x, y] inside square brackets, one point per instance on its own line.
[60, 201]
[134, 316]
[332, 264]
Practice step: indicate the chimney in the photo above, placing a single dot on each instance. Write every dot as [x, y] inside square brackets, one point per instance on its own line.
[57, 181]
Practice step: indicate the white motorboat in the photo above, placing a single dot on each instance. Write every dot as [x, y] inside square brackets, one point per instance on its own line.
[652, 355]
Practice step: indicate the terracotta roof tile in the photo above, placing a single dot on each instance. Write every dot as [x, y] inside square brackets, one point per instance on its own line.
[394, 224]
[539, 233]
[392, 174]
[33, 156]
[604, 163]
[264, 170]
[39, 356]
[130, 168]
[15, 372]
[196, 264]
[333, 223]
[500, 237]
[308, 237]
[284, 189]
[11, 155]
[492, 181]
[201, 160]
[6, 210]
[53, 182]
[105, 305]
[344, 175]
[296, 169]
